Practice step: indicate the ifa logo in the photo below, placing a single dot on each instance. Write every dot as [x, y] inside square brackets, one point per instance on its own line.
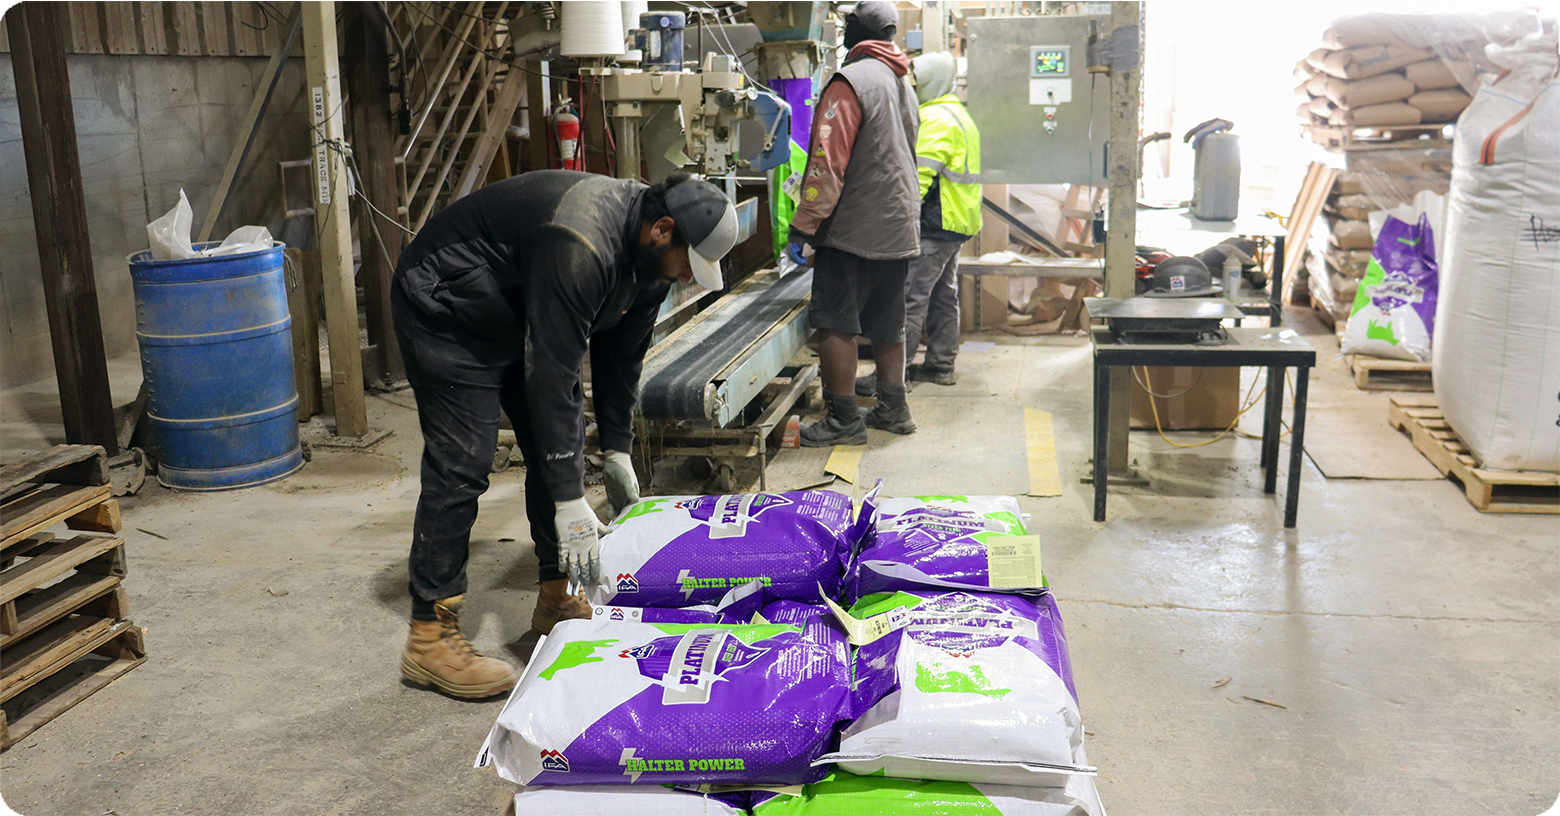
[555, 761]
[627, 583]
[617, 613]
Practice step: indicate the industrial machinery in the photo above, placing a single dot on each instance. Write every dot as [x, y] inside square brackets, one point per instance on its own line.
[702, 384]
[1042, 115]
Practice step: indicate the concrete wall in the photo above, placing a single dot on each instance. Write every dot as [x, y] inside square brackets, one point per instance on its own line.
[145, 126]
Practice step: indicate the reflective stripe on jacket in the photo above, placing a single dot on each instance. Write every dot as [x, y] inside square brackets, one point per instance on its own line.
[948, 146]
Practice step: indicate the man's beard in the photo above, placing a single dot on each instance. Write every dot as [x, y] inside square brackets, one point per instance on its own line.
[650, 266]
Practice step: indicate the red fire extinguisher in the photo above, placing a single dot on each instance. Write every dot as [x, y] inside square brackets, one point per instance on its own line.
[566, 128]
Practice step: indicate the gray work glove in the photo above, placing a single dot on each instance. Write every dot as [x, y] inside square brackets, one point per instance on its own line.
[579, 541]
[622, 482]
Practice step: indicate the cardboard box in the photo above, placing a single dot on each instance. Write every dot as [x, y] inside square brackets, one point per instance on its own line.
[1198, 398]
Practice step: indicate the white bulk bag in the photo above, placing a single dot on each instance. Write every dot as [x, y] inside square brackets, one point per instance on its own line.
[1497, 345]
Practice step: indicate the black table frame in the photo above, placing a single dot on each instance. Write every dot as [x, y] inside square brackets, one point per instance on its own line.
[1108, 354]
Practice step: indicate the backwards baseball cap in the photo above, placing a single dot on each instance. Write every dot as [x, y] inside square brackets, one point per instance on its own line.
[705, 216]
[875, 16]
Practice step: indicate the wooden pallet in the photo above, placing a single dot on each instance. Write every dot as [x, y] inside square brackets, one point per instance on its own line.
[64, 631]
[1376, 374]
[1490, 491]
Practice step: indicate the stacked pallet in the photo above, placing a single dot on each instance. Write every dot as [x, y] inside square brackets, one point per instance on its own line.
[64, 630]
[1379, 72]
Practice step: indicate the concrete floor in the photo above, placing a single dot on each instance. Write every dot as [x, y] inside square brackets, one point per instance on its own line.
[1413, 643]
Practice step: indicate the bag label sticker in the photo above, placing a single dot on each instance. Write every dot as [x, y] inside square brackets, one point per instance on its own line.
[1013, 561]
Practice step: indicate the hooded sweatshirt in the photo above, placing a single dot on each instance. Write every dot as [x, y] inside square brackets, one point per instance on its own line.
[867, 112]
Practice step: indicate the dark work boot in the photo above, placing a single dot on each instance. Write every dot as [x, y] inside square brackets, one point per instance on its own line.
[866, 385]
[891, 413]
[920, 373]
[842, 425]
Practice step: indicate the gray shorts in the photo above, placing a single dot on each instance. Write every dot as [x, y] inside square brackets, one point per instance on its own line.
[857, 295]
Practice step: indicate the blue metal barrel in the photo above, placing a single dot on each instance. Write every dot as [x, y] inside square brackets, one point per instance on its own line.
[216, 352]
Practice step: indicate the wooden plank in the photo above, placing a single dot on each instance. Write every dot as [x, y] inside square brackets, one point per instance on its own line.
[54, 561]
[1318, 183]
[367, 57]
[61, 464]
[185, 25]
[91, 18]
[55, 647]
[154, 38]
[42, 607]
[48, 126]
[301, 300]
[247, 20]
[102, 517]
[8, 620]
[46, 507]
[247, 132]
[214, 27]
[126, 643]
[120, 31]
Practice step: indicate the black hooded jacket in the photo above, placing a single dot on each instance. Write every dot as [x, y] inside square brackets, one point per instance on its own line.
[542, 265]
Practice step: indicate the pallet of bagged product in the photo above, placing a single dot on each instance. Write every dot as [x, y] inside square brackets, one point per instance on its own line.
[64, 628]
[1377, 374]
[1489, 491]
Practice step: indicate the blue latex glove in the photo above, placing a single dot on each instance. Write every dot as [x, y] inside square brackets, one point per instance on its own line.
[793, 251]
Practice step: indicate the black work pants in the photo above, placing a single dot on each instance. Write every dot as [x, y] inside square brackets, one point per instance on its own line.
[461, 381]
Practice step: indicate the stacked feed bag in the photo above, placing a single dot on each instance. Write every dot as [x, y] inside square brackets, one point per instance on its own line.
[1497, 352]
[1386, 70]
[955, 655]
[968, 682]
[684, 550]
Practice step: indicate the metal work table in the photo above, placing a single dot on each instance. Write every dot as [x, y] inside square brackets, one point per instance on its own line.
[1272, 348]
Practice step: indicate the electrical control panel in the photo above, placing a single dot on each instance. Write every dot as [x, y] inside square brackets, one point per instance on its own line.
[1042, 115]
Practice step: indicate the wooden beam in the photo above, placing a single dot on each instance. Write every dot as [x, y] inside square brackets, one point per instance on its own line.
[536, 110]
[251, 127]
[373, 143]
[1126, 93]
[332, 216]
[40, 37]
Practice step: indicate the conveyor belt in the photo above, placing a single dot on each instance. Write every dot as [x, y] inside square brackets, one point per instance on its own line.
[675, 380]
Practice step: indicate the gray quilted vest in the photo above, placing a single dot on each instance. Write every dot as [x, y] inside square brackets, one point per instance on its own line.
[879, 211]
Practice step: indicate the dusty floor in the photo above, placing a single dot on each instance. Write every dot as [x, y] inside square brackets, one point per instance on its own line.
[1413, 643]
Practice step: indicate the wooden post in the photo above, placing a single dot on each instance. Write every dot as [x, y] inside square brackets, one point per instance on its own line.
[1121, 239]
[536, 110]
[373, 142]
[331, 216]
[40, 38]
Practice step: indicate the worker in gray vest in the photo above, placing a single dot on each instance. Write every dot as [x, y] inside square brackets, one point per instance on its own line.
[860, 210]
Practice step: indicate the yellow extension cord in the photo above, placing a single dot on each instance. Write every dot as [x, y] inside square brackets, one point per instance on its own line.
[1249, 400]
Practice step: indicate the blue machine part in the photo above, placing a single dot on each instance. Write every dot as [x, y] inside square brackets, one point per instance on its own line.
[216, 352]
[661, 39]
[774, 116]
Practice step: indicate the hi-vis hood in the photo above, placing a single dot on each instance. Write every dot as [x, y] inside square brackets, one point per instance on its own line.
[934, 75]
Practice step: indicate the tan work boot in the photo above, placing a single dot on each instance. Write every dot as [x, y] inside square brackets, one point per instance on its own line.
[556, 604]
[438, 655]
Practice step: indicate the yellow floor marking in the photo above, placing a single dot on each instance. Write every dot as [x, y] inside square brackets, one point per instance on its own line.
[1044, 478]
[844, 461]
